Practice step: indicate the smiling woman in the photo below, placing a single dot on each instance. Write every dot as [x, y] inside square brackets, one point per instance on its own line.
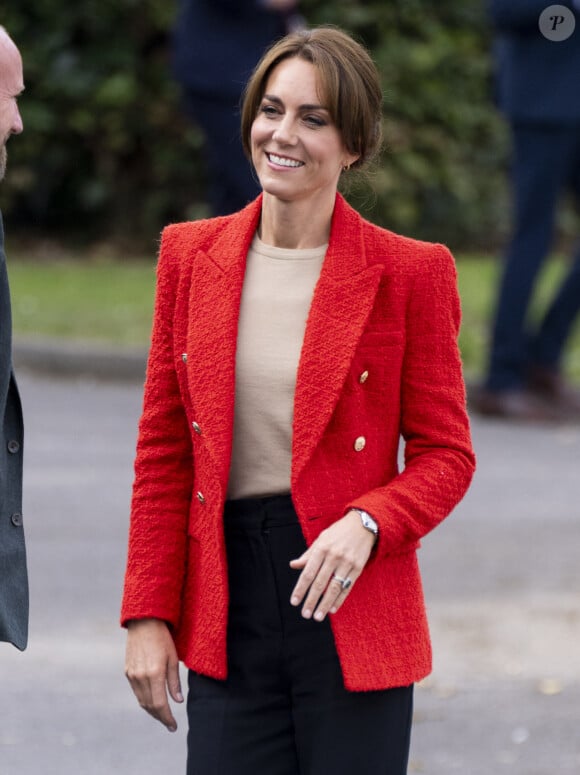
[273, 540]
[347, 84]
[297, 151]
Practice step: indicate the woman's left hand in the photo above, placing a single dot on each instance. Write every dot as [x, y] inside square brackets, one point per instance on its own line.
[338, 555]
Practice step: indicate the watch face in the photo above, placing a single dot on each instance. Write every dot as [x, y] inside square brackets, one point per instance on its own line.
[369, 523]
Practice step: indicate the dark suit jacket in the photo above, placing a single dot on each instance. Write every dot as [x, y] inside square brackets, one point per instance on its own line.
[537, 79]
[385, 305]
[13, 576]
[217, 43]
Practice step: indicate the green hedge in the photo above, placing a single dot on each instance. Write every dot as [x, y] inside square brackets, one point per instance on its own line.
[107, 154]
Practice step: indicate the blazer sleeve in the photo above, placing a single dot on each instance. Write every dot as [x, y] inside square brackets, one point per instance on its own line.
[163, 469]
[439, 458]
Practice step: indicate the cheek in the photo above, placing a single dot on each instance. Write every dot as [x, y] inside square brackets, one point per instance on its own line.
[258, 132]
[256, 138]
[7, 115]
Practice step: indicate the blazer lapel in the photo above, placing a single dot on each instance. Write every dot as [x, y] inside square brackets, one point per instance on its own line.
[213, 308]
[341, 305]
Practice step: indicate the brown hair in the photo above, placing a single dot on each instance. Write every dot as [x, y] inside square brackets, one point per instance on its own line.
[349, 83]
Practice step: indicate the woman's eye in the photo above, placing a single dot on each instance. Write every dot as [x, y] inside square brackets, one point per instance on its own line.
[315, 121]
[268, 110]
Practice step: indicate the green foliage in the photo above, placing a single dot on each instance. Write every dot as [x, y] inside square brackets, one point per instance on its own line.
[106, 152]
[105, 149]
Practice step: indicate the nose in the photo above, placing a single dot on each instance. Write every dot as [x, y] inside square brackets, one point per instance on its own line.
[17, 125]
[284, 132]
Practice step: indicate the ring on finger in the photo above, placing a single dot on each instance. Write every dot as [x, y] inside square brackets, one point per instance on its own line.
[344, 583]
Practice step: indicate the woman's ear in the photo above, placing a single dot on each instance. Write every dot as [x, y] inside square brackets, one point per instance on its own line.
[349, 160]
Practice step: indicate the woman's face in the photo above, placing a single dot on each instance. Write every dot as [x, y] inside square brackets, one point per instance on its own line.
[297, 151]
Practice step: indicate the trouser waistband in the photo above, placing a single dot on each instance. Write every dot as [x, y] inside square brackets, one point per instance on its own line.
[260, 513]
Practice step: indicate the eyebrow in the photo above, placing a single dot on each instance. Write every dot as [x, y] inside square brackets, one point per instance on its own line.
[307, 106]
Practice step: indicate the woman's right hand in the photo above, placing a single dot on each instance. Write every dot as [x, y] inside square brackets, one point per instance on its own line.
[152, 667]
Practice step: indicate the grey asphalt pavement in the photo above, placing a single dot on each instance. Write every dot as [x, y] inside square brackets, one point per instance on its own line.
[502, 580]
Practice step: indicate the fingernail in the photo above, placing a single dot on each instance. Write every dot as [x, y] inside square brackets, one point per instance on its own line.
[294, 600]
[179, 697]
[307, 613]
[333, 610]
[319, 616]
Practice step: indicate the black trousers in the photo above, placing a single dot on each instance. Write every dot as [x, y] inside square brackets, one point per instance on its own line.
[283, 709]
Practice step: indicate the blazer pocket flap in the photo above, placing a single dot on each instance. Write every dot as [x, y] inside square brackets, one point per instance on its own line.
[377, 339]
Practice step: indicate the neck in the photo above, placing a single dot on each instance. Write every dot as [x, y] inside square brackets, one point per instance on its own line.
[295, 225]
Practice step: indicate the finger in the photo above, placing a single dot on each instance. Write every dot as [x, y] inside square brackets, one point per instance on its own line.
[301, 561]
[158, 706]
[174, 682]
[318, 586]
[306, 578]
[344, 593]
[339, 601]
[149, 689]
[335, 593]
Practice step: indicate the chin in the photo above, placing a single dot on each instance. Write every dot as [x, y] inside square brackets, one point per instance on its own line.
[278, 189]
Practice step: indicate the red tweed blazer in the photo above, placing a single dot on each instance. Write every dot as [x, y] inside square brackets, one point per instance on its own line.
[384, 304]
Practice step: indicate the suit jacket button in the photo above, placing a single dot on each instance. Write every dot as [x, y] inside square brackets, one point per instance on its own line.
[360, 443]
[363, 377]
[196, 428]
[16, 519]
[184, 357]
[13, 446]
[200, 497]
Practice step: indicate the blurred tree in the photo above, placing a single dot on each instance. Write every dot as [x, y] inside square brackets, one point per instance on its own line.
[106, 152]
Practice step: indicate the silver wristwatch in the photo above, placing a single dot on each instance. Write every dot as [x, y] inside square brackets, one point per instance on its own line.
[368, 522]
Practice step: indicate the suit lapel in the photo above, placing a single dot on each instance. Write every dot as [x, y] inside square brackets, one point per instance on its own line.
[342, 302]
[217, 277]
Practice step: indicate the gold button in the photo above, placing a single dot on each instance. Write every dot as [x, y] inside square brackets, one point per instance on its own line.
[184, 357]
[200, 497]
[363, 377]
[196, 428]
[360, 443]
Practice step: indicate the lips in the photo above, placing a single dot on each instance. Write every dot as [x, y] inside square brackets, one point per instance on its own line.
[284, 161]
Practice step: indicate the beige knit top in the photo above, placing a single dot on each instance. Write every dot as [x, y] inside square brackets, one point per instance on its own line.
[278, 288]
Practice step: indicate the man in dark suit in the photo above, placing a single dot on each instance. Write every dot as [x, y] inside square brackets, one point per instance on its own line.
[539, 94]
[216, 45]
[13, 575]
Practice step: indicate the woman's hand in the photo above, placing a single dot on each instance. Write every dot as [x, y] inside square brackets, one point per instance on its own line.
[339, 553]
[152, 667]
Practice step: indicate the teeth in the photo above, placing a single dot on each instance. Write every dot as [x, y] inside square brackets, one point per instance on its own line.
[283, 161]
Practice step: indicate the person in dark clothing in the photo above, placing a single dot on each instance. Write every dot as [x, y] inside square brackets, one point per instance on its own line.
[538, 92]
[216, 45]
[13, 575]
